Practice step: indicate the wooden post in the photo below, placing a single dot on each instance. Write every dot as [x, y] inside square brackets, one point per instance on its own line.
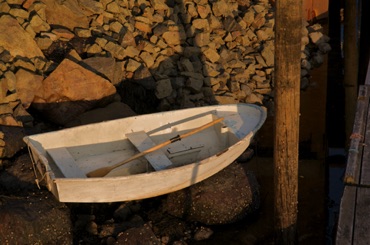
[351, 61]
[286, 131]
[364, 55]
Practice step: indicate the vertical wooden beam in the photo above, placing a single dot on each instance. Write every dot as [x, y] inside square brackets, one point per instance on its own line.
[351, 62]
[286, 131]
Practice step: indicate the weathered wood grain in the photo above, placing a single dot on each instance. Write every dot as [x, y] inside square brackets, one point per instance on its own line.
[143, 142]
[66, 163]
[346, 216]
[352, 174]
[362, 219]
[365, 165]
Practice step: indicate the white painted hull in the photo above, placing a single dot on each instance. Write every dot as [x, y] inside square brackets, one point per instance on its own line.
[105, 144]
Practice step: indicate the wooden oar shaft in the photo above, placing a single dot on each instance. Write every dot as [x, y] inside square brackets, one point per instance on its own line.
[104, 171]
[194, 131]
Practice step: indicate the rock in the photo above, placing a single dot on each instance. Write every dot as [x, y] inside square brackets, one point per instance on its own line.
[140, 235]
[71, 90]
[27, 85]
[174, 37]
[211, 55]
[194, 84]
[91, 7]
[143, 25]
[112, 111]
[147, 58]
[21, 115]
[63, 34]
[226, 197]
[132, 65]
[116, 50]
[16, 40]
[12, 135]
[254, 98]
[22, 64]
[226, 99]
[202, 233]
[9, 120]
[67, 14]
[38, 24]
[163, 88]
[128, 39]
[143, 77]
[107, 67]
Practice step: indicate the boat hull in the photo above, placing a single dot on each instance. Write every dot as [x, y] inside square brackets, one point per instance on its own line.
[101, 144]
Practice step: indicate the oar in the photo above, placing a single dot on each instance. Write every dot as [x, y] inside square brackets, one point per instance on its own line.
[101, 172]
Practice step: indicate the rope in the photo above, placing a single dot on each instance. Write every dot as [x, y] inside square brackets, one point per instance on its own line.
[34, 166]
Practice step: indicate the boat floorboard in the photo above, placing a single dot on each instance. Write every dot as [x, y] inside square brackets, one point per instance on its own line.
[66, 163]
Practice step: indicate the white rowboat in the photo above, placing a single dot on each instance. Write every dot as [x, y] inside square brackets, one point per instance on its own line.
[62, 159]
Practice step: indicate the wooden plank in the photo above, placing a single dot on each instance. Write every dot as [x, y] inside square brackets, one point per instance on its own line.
[365, 165]
[362, 219]
[365, 169]
[66, 163]
[367, 78]
[143, 142]
[352, 174]
[346, 216]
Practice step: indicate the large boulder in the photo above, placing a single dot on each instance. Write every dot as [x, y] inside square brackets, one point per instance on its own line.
[71, 90]
[224, 198]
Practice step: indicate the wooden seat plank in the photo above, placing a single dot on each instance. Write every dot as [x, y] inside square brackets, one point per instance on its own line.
[142, 142]
[66, 163]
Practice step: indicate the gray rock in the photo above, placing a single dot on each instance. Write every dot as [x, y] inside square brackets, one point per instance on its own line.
[226, 197]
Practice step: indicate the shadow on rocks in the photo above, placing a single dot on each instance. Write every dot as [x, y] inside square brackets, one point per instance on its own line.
[30, 215]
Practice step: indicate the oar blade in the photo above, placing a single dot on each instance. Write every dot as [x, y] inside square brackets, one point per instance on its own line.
[100, 172]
